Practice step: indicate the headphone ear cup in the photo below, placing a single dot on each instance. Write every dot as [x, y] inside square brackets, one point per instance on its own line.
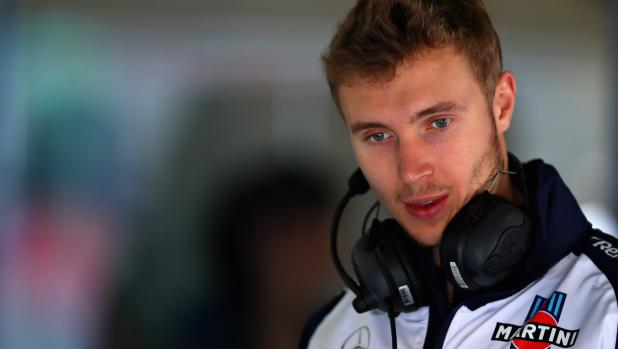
[401, 257]
[383, 263]
[453, 249]
[373, 286]
[480, 249]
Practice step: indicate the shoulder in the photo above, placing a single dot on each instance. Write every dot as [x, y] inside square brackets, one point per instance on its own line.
[602, 249]
[317, 318]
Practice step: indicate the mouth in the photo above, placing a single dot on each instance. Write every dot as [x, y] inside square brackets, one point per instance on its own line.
[426, 208]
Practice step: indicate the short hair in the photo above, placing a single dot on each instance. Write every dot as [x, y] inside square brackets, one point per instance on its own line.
[378, 36]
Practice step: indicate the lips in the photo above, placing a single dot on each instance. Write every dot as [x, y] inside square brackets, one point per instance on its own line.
[426, 208]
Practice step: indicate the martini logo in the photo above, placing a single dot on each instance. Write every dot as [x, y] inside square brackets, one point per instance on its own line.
[540, 330]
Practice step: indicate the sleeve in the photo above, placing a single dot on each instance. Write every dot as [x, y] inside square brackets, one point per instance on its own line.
[315, 320]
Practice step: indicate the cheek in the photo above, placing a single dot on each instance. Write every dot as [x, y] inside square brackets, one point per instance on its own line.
[379, 167]
[470, 142]
[460, 153]
[450, 151]
[457, 156]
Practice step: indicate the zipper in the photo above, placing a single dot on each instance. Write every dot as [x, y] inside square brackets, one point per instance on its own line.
[445, 326]
[490, 298]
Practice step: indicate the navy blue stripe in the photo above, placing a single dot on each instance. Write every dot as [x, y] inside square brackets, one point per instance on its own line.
[316, 319]
[538, 300]
[558, 307]
[552, 300]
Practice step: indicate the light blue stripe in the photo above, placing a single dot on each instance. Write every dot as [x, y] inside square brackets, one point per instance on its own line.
[551, 303]
[537, 304]
[558, 305]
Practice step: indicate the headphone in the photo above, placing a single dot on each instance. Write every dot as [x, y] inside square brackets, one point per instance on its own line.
[483, 243]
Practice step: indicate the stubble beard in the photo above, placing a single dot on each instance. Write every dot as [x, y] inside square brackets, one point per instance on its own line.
[495, 160]
[478, 179]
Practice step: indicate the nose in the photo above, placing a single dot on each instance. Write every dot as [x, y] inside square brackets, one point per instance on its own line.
[414, 161]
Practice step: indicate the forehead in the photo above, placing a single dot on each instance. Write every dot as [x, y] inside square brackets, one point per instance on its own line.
[442, 74]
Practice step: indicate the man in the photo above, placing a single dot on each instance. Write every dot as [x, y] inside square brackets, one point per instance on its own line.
[421, 89]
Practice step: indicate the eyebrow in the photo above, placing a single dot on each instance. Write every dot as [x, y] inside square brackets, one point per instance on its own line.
[440, 107]
[361, 125]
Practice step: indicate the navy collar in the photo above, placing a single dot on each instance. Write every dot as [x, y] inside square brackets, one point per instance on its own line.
[559, 224]
[559, 228]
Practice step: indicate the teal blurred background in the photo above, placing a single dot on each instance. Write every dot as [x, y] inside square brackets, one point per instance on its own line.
[130, 133]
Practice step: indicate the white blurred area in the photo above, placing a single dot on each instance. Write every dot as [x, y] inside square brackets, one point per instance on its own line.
[118, 121]
[600, 216]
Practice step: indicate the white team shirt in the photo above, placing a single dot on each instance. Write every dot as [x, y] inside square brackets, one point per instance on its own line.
[573, 305]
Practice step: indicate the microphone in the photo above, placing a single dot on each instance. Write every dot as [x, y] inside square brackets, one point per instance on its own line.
[357, 183]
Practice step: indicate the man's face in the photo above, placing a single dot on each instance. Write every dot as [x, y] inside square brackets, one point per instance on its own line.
[426, 140]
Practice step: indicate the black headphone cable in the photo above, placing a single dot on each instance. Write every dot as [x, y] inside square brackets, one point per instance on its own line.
[357, 184]
[391, 318]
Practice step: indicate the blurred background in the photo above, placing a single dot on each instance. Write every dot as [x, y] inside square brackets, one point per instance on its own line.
[169, 169]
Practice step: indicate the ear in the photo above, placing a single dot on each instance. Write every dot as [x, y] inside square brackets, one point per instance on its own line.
[504, 101]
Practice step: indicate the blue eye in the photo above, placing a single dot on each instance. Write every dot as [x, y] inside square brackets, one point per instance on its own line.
[378, 137]
[441, 123]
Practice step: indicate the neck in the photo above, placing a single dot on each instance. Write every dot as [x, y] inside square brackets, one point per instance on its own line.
[506, 186]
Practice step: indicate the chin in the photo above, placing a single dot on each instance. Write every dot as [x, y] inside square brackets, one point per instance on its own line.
[429, 241]
[427, 238]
